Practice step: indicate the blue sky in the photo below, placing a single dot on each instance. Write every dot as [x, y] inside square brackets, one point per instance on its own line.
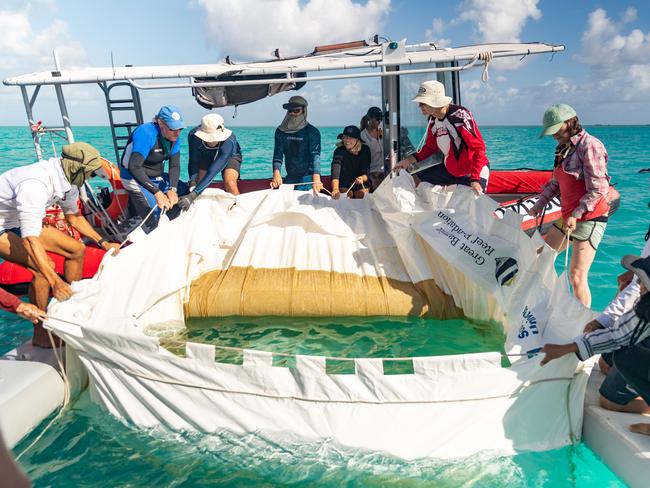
[604, 72]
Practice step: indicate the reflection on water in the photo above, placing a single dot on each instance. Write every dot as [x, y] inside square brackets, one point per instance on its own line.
[342, 337]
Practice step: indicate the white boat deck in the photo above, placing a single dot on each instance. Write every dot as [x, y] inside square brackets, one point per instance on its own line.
[606, 433]
[30, 390]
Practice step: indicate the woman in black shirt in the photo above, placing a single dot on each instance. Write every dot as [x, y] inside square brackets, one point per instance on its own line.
[350, 165]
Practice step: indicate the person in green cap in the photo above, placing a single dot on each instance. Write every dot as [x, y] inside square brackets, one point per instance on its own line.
[25, 194]
[580, 177]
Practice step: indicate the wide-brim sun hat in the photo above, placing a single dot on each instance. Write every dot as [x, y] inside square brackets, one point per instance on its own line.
[212, 129]
[294, 102]
[555, 116]
[432, 93]
[171, 116]
[639, 266]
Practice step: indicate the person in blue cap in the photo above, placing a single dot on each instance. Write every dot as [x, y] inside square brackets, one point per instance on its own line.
[143, 163]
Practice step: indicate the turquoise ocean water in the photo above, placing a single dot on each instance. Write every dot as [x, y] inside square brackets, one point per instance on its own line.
[87, 447]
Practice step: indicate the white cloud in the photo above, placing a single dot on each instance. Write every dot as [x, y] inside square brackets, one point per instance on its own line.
[437, 28]
[23, 47]
[351, 93]
[250, 29]
[619, 56]
[500, 21]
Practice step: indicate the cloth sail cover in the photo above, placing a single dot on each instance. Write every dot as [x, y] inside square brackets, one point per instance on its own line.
[399, 251]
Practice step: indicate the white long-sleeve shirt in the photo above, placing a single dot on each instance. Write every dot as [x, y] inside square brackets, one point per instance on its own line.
[624, 300]
[619, 322]
[26, 192]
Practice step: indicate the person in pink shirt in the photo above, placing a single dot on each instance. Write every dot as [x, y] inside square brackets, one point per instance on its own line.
[580, 178]
[453, 132]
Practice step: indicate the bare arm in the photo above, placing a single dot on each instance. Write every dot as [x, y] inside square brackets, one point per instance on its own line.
[80, 223]
[34, 247]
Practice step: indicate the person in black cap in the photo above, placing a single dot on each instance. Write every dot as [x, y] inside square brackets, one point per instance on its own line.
[625, 339]
[372, 136]
[298, 143]
[350, 165]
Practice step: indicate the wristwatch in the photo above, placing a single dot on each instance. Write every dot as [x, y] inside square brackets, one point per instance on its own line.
[172, 188]
[101, 241]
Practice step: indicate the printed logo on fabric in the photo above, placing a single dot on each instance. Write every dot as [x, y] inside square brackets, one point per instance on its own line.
[505, 270]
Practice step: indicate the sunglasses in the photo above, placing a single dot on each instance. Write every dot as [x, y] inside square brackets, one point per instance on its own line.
[295, 110]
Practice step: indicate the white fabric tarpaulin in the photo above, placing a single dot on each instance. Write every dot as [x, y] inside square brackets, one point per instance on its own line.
[450, 406]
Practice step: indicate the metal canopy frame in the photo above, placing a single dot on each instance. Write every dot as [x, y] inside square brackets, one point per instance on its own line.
[388, 60]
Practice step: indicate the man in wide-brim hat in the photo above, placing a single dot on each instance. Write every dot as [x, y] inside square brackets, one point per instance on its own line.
[25, 194]
[213, 149]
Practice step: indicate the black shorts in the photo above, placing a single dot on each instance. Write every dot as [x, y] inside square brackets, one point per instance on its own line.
[439, 175]
[233, 163]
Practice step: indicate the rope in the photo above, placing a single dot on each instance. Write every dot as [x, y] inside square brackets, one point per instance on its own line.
[567, 238]
[66, 394]
[325, 400]
[140, 225]
[486, 57]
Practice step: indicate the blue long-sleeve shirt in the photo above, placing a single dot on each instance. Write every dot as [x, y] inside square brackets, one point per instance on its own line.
[300, 151]
[213, 160]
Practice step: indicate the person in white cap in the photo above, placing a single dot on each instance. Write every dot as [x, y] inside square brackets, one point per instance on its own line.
[626, 339]
[452, 131]
[213, 149]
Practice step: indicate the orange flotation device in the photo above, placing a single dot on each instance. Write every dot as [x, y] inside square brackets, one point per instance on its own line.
[119, 196]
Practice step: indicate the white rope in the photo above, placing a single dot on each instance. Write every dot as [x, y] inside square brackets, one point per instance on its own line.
[140, 225]
[66, 395]
[566, 237]
[486, 57]
[210, 387]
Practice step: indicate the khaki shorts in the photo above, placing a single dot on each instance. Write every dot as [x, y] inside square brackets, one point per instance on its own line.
[591, 231]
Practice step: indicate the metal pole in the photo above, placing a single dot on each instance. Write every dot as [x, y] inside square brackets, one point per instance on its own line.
[30, 120]
[62, 107]
[390, 96]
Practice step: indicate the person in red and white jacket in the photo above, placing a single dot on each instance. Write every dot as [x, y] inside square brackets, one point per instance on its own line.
[452, 131]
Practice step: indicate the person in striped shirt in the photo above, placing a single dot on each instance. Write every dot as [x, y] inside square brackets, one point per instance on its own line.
[624, 338]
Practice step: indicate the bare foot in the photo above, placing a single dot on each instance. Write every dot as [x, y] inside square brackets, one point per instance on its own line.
[637, 405]
[604, 367]
[42, 339]
[640, 428]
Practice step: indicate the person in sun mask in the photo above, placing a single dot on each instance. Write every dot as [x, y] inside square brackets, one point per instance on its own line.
[25, 194]
[298, 143]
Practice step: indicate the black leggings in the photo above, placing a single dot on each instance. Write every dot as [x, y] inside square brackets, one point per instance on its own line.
[634, 365]
[439, 175]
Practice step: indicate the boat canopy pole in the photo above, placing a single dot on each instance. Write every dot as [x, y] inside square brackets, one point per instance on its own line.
[290, 79]
[33, 126]
[62, 107]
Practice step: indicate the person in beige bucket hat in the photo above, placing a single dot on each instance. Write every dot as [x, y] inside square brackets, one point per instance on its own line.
[453, 133]
[213, 149]
[25, 194]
